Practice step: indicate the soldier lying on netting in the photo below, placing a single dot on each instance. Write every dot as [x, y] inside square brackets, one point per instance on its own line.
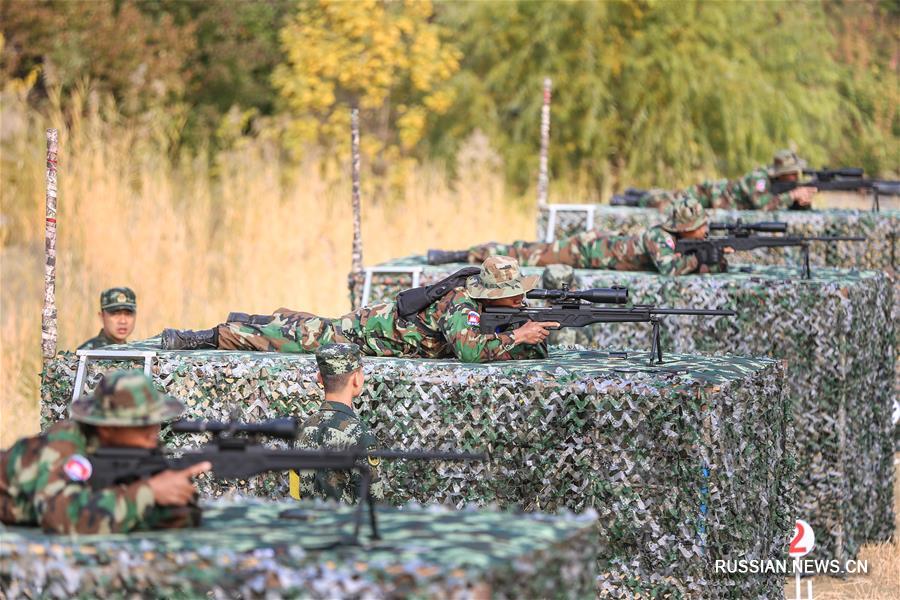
[753, 191]
[654, 249]
[44, 479]
[446, 326]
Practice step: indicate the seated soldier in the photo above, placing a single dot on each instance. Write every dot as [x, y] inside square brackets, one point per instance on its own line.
[654, 249]
[336, 426]
[753, 191]
[44, 479]
[446, 328]
[118, 307]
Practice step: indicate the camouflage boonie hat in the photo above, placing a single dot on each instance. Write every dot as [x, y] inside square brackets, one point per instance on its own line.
[337, 359]
[118, 298]
[500, 277]
[785, 162]
[555, 277]
[685, 214]
[125, 399]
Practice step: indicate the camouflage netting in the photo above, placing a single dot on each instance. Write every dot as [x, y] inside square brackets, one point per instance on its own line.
[245, 549]
[837, 334]
[684, 463]
[879, 252]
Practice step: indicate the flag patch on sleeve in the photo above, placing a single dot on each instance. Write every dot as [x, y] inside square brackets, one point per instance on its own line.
[78, 468]
[474, 319]
[760, 185]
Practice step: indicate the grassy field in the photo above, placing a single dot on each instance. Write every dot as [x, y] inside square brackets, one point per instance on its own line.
[253, 233]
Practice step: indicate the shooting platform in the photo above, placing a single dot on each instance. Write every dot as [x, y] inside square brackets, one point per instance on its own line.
[685, 463]
[837, 336]
[246, 549]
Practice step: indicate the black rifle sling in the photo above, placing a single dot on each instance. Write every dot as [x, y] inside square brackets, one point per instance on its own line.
[413, 301]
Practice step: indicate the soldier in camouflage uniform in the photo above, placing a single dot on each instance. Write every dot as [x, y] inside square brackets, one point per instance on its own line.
[753, 191]
[118, 307]
[654, 249]
[336, 426]
[447, 328]
[558, 277]
[44, 480]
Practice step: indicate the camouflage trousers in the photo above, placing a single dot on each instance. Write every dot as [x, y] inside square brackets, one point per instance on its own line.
[588, 250]
[288, 331]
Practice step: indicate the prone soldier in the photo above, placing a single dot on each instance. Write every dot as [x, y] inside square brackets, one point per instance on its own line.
[45, 479]
[446, 327]
[336, 426]
[753, 191]
[118, 308]
[652, 249]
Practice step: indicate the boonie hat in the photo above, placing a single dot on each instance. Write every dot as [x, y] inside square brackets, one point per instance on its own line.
[500, 277]
[125, 399]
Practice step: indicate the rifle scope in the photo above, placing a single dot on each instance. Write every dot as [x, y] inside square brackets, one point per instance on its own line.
[613, 295]
[280, 428]
[767, 227]
[829, 174]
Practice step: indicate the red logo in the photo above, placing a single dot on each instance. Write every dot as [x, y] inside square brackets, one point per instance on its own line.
[760, 185]
[474, 318]
[78, 468]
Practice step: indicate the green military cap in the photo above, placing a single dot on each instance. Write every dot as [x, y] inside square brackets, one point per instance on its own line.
[500, 277]
[126, 399]
[337, 359]
[786, 162]
[685, 214]
[118, 298]
[555, 277]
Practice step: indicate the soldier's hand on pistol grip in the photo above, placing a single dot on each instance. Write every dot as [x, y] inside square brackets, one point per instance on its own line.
[802, 196]
[175, 488]
[533, 332]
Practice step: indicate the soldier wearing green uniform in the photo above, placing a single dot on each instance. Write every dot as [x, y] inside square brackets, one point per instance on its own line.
[45, 479]
[336, 426]
[753, 191]
[446, 328]
[118, 307]
[654, 249]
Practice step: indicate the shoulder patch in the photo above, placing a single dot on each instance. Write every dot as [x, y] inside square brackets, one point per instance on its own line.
[670, 242]
[761, 185]
[474, 319]
[78, 468]
[374, 461]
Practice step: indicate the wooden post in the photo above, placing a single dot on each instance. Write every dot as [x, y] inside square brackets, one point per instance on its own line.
[543, 177]
[48, 314]
[356, 263]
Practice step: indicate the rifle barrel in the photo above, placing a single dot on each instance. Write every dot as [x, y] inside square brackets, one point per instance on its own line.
[692, 311]
[837, 238]
[426, 455]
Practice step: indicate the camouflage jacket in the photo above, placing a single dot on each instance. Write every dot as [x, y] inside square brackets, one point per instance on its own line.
[43, 482]
[98, 341]
[753, 191]
[653, 249]
[336, 426]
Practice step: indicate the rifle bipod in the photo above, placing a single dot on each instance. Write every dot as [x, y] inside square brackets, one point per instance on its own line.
[655, 344]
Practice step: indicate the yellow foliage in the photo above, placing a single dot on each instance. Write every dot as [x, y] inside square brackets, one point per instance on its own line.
[387, 58]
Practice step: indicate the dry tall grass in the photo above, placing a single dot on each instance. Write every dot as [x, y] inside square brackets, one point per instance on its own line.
[255, 234]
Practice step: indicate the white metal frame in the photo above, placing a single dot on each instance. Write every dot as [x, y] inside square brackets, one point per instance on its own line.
[550, 233]
[416, 273]
[85, 356]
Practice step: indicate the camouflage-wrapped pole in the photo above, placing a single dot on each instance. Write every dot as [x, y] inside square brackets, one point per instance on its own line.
[48, 315]
[543, 178]
[356, 263]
